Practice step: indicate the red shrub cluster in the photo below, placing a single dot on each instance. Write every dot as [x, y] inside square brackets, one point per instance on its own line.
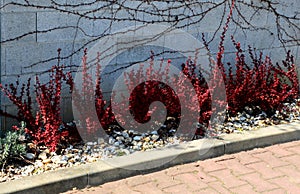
[265, 85]
[90, 94]
[260, 84]
[195, 99]
[42, 127]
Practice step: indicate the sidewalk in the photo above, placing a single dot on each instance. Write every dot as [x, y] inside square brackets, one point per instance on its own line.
[274, 169]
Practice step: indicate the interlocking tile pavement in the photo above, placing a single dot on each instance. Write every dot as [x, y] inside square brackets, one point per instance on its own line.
[274, 169]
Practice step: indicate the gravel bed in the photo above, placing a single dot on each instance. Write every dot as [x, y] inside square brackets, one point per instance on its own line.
[129, 141]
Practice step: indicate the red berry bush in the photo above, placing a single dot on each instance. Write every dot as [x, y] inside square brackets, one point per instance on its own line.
[42, 125]
[259, 83]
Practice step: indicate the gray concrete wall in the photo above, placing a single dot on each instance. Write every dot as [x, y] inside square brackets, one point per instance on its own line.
[29, 55]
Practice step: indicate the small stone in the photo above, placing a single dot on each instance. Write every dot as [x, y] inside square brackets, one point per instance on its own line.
[30, 156]
[39, 163]
[137, 138]
[154, 133]
[237, 125]
[76, 150]
[134, 142]
[147, 139]
[120, 138]
[171, 119]
[229, 124]
[127, 152]
[100, 141]
[248, 128]
[70, 156]
[117, 144]
[47, 167]
[111, 140]
[31, 146]
[55, 159]
[63, 162]
[125, 134]
[90, 143]
[128, 140]
[243, 119]
[118, 132]
[172, 132]
[136, 147]
[91, 159]
[64, 158]
[72, 160]
[88, 148]
[28, 170]
[155, 137]
[77, 158]
[263, 115]
[43, 156]
[130, 132]
[47, 161]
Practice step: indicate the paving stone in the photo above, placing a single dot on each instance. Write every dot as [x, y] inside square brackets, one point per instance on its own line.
[278, 151]
[294, 159]
[265, 170]
[259, 184]
[285, 183]
[236, 167]
[148, 188]
[269, 158]
[162, 180]
[246, 158]
[173, 171]
[206, 178]
[275, 191]
[210, 191]
[291, 171]
[192, 181]
[295, 149]
[124, 189]
[211, 165]
[226, 177]
[219, 187]
[177, 189]
[113, 185]
[245, 189]
[137, 180]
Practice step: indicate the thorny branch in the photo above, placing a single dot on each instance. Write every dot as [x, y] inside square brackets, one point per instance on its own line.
[179, 14]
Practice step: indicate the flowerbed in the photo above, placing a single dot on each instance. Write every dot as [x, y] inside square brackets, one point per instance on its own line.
[258, 94]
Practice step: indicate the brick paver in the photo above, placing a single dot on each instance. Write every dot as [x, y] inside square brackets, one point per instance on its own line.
[275, 169]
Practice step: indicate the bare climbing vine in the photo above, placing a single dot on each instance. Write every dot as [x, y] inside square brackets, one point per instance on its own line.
[179, 14]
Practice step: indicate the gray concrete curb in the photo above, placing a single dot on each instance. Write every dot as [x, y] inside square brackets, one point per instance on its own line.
[144, 162]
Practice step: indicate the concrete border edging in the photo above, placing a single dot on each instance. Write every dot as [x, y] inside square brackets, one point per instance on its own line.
[100, 172]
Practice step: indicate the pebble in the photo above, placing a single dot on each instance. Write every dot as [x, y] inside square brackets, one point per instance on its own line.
[43, 156]
[155, 137]
[243, 119]
[129, 141]
[30, 156]
[55, 159]
[47, 161]
[147, 139]
[137, 138]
